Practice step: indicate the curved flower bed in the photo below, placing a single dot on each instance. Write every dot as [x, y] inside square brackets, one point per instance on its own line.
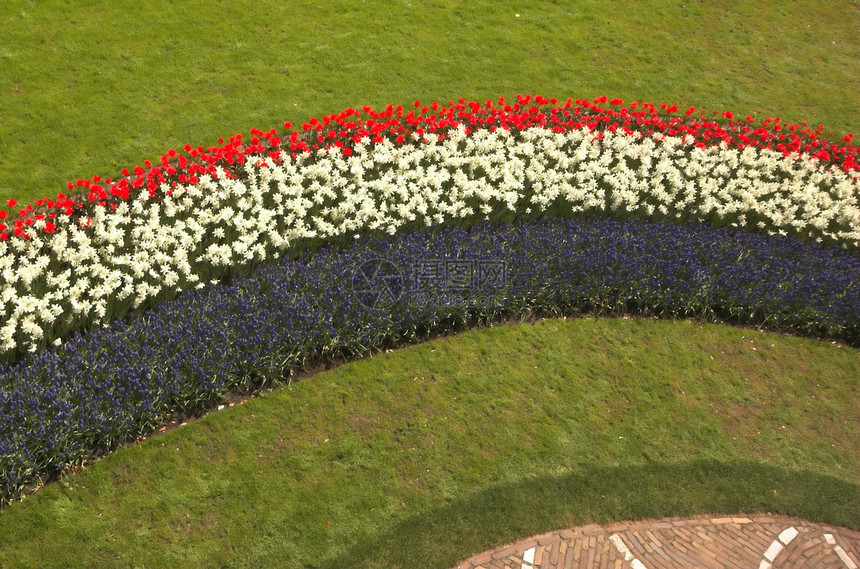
[198, 216]
[765, 230]
[106, 387]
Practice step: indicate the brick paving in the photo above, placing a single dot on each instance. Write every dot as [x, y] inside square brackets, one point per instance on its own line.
[754, 542]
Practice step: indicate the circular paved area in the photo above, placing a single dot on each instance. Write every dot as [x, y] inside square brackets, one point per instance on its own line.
[755, 542]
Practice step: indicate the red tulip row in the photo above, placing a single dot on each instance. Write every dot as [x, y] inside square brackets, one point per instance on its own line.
[405, 126]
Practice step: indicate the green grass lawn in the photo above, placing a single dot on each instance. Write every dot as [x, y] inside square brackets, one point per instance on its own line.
[420, 457]
[107, 85]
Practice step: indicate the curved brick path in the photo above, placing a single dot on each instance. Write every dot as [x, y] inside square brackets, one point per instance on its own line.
[755, 542]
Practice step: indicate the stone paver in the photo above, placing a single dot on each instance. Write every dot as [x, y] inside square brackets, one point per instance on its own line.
[736, 542]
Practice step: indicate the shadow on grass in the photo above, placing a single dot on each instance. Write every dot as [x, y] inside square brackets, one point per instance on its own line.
[443, 536]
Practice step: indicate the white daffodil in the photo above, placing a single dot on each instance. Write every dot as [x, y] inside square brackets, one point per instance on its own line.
[385, 185]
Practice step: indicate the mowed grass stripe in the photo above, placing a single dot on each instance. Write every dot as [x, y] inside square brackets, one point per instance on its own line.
[437, 448]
